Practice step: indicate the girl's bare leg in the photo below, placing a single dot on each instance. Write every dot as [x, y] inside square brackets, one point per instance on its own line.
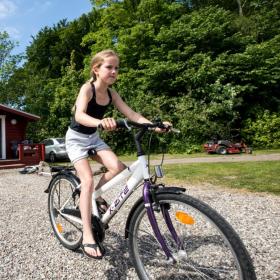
[85, 174]
[114, 166]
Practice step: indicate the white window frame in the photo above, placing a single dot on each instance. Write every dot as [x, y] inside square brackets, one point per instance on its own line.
[3, 140]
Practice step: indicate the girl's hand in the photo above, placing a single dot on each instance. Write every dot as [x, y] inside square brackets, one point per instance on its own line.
[167, 125]
[108, 124]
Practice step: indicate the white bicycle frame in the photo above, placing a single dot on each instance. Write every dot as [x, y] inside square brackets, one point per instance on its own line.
[134, 174]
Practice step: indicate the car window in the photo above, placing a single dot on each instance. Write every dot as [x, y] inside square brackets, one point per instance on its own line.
[60, 140]
[48, 142]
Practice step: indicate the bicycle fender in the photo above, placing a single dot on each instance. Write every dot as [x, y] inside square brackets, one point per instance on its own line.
[170, 190]
[64, 173]
[176, 190]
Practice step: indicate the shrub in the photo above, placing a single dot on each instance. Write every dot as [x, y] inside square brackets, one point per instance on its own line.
[264, 132]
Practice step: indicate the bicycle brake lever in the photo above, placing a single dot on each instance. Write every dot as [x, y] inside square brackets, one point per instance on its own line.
[126, 125]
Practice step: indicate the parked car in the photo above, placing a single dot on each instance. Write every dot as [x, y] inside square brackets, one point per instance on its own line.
[55, 149]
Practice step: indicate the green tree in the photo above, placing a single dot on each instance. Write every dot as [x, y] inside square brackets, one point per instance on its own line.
[8, 65]
[208, 66]
[257, 72]
[65, 95]
[264, 131]
[62, 95]
[52, 51]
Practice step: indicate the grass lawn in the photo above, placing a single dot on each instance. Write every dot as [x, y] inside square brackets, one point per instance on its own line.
[255, 176]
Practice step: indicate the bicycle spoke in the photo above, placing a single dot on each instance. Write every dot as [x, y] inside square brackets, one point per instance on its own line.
[203, 252]
[61, 197]
[70, 222]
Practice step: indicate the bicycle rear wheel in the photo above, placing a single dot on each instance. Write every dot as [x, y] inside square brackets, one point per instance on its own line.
[209, 248]
[62, 199]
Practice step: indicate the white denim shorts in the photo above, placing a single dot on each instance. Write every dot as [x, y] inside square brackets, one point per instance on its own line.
[79, 145]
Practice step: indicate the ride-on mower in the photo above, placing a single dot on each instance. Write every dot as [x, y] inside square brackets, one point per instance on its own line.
[223, 147]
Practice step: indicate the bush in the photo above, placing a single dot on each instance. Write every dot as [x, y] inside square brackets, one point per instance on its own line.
[264, 132]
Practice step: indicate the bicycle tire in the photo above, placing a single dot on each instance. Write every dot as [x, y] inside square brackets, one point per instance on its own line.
[60, 197]
[211, 249]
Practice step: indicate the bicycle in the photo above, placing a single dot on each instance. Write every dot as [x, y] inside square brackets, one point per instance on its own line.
[170, 235]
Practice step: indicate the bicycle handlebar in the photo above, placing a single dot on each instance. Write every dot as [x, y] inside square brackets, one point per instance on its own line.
[123, 123]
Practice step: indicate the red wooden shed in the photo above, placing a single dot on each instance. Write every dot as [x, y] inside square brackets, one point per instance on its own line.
[13, 125]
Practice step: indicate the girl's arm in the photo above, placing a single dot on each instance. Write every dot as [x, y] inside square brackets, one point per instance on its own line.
[132, 115]
[126, 110]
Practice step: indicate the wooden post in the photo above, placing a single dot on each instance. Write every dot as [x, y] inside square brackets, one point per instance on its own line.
[42, 152]
[20, 152]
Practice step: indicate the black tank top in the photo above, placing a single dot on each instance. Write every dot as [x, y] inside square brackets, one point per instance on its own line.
[94, 110]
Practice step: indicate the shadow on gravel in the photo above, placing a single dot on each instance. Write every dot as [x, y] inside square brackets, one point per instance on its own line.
[117, 255]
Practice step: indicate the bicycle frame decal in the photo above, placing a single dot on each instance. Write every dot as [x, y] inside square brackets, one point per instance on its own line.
[134, 175]
[119, 199]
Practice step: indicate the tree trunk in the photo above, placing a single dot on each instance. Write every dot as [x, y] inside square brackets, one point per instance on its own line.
[239, 7]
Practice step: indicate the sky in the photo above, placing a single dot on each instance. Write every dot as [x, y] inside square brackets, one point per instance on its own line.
[24, 18]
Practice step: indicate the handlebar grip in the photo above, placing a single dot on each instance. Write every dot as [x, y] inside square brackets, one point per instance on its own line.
[120, 124]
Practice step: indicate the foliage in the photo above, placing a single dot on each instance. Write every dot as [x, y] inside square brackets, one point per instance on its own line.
[64, 92]
[264, 131]
[208, 66]
[8, 65]
[65, 95]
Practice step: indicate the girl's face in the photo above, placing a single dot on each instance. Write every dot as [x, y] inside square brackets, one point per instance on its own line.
[107, 72]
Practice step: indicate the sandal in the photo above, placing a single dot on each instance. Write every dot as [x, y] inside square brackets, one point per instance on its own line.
[95, 246]
[102, 206]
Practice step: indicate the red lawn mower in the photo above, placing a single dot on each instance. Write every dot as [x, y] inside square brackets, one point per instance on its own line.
[223, 147]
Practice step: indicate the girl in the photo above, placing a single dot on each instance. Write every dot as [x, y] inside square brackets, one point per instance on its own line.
[82, 137]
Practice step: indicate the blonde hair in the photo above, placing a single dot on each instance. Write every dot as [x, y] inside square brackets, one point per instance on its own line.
[98, 59]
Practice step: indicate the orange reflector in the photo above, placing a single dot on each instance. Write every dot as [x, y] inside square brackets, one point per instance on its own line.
[184, 218]
[59, 228]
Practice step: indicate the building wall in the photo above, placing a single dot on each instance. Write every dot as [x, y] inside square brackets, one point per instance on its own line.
[15, 131]
[2, 136]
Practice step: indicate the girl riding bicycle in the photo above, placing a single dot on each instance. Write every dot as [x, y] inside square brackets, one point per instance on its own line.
[82, 137]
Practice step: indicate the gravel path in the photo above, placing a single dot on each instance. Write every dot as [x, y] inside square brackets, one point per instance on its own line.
[29, 249]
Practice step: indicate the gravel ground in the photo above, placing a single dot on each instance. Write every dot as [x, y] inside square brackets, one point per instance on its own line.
[29, 249]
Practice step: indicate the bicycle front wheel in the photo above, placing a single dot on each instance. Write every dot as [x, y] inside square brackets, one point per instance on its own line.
[62, 199]
[206, 246]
